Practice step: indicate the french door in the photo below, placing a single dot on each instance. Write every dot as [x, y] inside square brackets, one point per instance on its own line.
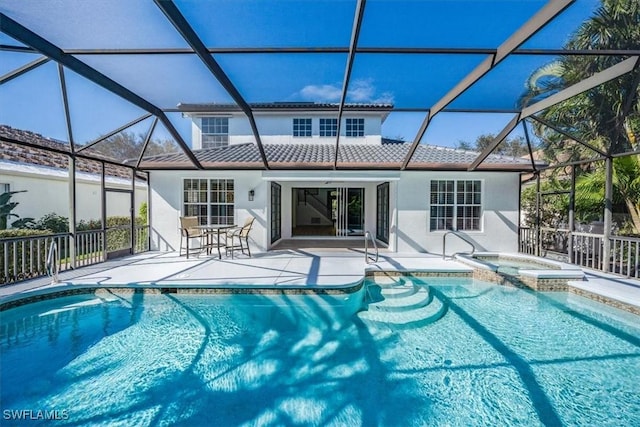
[382, 212]
[276, 209]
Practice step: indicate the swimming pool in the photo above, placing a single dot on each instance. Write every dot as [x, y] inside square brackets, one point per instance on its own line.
[494, 356]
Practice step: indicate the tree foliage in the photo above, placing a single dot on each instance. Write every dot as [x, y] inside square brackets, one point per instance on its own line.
[6, 211]
[128, 146]
[515, 147]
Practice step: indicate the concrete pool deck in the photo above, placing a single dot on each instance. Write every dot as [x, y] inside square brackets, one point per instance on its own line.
[284, 268]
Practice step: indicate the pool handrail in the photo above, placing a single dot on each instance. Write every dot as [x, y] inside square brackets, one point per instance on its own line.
[53, 266]
[461, 237]
[368, 236]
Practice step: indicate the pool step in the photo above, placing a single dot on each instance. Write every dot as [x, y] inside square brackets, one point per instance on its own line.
[399, 298]
[402, 306]
[393, 291]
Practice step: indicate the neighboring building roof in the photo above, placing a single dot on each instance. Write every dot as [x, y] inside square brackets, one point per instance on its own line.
[321, 156]
[12, 149]
[281, 106]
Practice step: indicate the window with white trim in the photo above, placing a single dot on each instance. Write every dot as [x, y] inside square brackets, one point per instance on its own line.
[329, 127]
[211, 200]
[354, 127]
[215, 132]
[4, 188]
[455, 204]
[301, 127]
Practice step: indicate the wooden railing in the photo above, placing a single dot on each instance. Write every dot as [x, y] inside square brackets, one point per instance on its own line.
[141, 239]
[625, 254]
[89, 247]
[584, 249]
[24, 258]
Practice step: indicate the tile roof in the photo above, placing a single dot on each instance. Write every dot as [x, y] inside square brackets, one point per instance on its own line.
[355, 156]
[388, 155]
[269, 106]
[12, 151]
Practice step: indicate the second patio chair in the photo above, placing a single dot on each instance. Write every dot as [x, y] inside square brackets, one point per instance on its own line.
[237, 236]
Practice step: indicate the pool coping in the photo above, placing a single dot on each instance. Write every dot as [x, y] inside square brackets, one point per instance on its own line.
[68, 289]
[567, 278]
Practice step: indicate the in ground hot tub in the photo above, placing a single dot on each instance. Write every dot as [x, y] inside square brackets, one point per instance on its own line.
[522, 270]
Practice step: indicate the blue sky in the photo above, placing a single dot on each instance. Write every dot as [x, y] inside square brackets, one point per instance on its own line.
[407, 81]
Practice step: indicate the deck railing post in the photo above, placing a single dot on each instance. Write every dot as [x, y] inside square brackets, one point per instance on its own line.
[572, 207]
[71, 245]
[608, 195]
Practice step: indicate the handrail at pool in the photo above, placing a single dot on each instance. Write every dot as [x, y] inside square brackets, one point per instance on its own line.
[53, 262]
[461, 237]
[367, 236]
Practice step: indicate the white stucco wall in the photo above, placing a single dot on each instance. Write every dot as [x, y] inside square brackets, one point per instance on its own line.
[278, 128]
[48, 191]
[167, 199]
[499, 219]
[409, 206]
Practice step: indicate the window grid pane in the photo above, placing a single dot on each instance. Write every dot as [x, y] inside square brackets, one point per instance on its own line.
[329, 127]
[441, 198]
[455, 202]
[302, 127]
[215, 132]
[211, 200]
[354, 127]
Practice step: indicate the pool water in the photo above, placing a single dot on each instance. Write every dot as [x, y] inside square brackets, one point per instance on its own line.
[512, 266]
[495, 356]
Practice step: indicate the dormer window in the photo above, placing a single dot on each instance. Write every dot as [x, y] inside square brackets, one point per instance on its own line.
[354, 127]
[215, 132]
[329, 127]
[302, 128]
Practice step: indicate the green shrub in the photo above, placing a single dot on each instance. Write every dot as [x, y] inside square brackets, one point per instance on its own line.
[53, 222]
[142, 213]
[21, 232]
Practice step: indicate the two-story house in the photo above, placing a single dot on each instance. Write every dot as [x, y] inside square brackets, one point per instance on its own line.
[309, 191]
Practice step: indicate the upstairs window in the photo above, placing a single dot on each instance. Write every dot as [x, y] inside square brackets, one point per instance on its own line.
[215, 132]
[354, 127]
[302, 127]
[328, 127]
[456, 204]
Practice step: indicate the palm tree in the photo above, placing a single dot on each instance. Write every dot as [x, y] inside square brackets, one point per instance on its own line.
[626, 185]
[607, 116]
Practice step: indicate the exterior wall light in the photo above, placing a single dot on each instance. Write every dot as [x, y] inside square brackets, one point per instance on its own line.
[251, 194]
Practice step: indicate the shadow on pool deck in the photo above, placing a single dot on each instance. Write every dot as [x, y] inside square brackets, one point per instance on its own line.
[281, 268]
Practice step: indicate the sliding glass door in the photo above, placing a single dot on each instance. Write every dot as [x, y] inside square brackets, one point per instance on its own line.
[350, 212]
[327, 212]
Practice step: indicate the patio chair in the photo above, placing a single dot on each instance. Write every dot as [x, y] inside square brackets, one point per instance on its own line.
[189, 231]
[236, 236]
